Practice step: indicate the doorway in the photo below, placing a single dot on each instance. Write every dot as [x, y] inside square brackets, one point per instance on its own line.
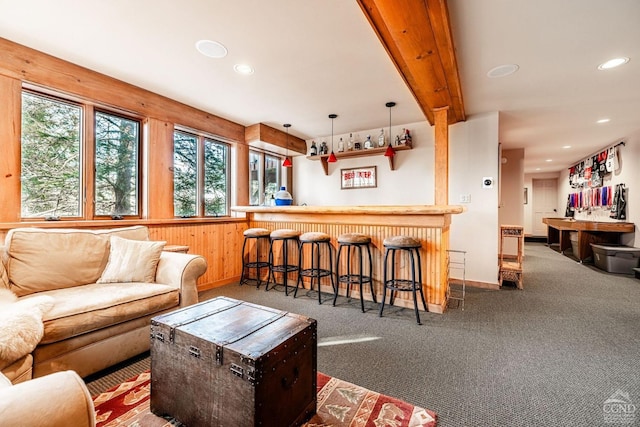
[544, 203]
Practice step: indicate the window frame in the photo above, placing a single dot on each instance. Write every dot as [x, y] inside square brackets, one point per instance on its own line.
[87, 158]
[262, 172]
[202, 138]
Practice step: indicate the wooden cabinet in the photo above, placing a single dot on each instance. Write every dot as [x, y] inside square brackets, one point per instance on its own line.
[359, 153]
[511, 265]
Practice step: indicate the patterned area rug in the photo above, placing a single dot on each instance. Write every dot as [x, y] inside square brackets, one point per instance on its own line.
[339, 404]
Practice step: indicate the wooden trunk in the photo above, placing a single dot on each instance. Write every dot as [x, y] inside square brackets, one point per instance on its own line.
[226, 362]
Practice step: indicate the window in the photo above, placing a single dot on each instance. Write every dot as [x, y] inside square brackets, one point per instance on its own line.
[265, 177]
[51, 153]
[56, 161]
[201, 187]
[116, 176]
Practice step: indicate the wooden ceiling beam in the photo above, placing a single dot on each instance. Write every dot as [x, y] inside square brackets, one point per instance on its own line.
[417, 36]
[267, 138]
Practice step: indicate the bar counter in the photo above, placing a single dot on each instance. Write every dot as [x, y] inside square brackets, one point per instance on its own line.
[428, 223]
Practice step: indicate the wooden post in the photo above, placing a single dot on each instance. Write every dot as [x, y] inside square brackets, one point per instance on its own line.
[160, 169]
[11, 114]
[441, 179]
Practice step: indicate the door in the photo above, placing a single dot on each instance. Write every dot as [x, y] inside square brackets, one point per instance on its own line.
[545, 203]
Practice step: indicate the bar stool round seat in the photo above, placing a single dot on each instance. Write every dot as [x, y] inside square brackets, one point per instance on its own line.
[317, 240]
[286, 265]
[247, 264]
[410, 247]
[355, 242]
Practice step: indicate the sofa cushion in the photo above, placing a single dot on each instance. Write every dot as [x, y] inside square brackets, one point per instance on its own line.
[131, 261]
[43, 259]
[90, 307]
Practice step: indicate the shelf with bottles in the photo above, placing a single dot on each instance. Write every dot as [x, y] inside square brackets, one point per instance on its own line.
[361, 152]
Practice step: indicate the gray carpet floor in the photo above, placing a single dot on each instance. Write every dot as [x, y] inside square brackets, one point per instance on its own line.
[548, 355]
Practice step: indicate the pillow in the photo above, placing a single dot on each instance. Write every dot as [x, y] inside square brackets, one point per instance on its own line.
[131, 261]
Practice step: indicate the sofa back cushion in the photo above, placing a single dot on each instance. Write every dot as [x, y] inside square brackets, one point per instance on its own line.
[44, 259]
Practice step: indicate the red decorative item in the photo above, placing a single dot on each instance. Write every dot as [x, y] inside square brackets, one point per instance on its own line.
[390, 151]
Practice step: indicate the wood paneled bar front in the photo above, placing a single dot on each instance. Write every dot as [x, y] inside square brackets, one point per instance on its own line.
[428, 223]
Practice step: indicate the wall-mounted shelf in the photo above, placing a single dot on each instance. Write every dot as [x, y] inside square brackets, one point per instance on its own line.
[359, 153]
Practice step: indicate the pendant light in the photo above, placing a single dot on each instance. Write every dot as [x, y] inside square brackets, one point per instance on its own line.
[332, 157]
[287, 162]
[390, 152]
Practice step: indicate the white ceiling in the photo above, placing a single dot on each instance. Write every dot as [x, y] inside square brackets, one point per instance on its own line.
[316, 57]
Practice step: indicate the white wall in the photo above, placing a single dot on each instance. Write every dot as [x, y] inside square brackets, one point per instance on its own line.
[473, 155]
[628, 174]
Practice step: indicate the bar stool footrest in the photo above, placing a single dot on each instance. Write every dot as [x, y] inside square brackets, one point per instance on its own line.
[259, 264]
[402, 285]
[353, 279]
[313, 272]
[288, 268]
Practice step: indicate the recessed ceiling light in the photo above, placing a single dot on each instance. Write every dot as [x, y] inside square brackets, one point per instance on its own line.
[566, 146]
[243, 69]
[613, 63]
[603, 121]
[549, 160]
[502, 70]
[537, 169]
[211, 49]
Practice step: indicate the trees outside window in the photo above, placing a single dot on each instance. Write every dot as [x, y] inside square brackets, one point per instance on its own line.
[264, 177]
[201, 187]
[50, 157]
[116, 176]
[55, 166]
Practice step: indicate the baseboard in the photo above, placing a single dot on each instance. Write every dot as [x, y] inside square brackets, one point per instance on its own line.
[217, 284]
[475, 284]
[535, 239]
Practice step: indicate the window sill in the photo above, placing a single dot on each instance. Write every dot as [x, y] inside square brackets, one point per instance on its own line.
[117, 223]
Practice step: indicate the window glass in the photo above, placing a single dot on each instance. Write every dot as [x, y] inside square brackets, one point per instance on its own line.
[215, 178]
[254, 178]
[185, 174]
[50, 157]
[116, 169]
[271, 176]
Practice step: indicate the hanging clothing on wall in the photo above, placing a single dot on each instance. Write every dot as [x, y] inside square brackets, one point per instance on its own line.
[619, 207]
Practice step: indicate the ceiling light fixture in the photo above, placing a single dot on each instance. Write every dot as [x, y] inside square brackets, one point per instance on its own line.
[603, 121]
[211, 49]
[549, 160]
[243, 69]
[613, 63]
[332, 157]
[390, 152]
[566, 146]
[502, 70]
[287, 162]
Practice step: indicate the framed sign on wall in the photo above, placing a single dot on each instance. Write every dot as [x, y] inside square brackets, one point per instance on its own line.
[364, 177]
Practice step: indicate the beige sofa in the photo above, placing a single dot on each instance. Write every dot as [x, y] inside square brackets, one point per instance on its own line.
[57, 400]
[93, 325]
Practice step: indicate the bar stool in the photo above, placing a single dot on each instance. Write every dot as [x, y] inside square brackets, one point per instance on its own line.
[355, 242]
[256, 234]
[315, 239]
[286, 266]
[411, 247]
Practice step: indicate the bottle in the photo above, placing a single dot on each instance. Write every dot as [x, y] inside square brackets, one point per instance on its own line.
[350, 143]
[357, 145]
[397, 139]
[323, 148]
[340, 146]
[403, 137]
[407, 138]
[367, 143]
[314, 149]
[381, 138]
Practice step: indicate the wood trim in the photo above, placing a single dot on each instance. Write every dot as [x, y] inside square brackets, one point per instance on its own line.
[10, 123]
[159, 169]
[29, 65]
[265, 137]
[240, 185]
[88, 150]
[417, 37]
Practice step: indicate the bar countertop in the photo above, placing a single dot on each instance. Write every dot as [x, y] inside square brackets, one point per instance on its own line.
[364, 210]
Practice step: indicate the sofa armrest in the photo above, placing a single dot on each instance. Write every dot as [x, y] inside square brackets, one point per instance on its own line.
[56, 400]
[181, 271]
